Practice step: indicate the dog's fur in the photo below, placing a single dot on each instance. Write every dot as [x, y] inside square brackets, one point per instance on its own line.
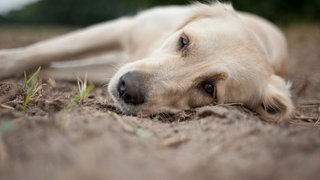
[173, 57]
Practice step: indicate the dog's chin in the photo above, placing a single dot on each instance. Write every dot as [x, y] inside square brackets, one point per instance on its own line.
[126, 109]
[129, 109]
[143, 109]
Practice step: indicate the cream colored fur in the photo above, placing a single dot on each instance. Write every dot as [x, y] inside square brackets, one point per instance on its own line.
[241, 54]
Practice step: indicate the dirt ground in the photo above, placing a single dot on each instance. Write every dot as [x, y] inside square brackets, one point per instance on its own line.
[95, 141]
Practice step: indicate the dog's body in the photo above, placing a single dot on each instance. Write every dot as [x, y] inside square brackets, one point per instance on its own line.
[175, 58]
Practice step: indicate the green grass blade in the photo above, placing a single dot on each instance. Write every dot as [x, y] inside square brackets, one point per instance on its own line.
[25, 80]
[34, 75]
[30, 88]
[79, 97]
[26, 101]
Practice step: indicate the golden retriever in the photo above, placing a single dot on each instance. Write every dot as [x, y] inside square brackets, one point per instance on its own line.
[175, 57]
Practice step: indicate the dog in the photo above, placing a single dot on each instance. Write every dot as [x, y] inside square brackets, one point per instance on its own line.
[173, 58]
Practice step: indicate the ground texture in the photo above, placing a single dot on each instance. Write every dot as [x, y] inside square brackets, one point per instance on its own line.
[95, 141]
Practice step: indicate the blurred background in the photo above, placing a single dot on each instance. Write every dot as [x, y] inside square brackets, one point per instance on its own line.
[86, 12]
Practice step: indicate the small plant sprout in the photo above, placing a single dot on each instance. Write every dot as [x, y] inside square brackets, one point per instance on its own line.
[141, 133]
[31, 86]
[317, 123]
[6, 126]
[157, 117]
[84, 90]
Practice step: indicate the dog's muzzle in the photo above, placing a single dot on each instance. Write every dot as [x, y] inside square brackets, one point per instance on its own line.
[130, 88]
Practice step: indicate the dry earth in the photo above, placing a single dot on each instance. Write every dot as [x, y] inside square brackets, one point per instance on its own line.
[95, 141]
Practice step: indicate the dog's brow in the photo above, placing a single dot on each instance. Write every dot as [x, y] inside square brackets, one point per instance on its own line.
[196, 16]
[210, 78]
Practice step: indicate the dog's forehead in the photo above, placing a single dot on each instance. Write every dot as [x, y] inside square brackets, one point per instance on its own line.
[221, 35]
[213, 25]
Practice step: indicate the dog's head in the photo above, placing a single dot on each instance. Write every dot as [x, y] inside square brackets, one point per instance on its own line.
[212, 58]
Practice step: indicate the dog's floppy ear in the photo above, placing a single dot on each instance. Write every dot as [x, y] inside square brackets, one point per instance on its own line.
[276, 101]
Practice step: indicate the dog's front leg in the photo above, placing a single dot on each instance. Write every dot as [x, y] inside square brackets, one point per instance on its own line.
[82, 43]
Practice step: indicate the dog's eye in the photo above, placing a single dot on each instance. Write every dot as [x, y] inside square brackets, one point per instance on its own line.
[183, 42]
[208, 87]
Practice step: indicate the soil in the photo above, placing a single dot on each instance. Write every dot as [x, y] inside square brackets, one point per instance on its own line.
[96, 141]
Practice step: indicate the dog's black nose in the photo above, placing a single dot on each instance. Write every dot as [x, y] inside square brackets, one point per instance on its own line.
[130, 88]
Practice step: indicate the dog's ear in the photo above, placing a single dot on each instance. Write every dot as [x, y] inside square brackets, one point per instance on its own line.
[276, 101]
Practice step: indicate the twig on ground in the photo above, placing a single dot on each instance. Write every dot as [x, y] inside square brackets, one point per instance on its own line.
[306, 103]
[306, 118]
[308, 106]
[232, 104]
[173, 141]
[3, 106]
